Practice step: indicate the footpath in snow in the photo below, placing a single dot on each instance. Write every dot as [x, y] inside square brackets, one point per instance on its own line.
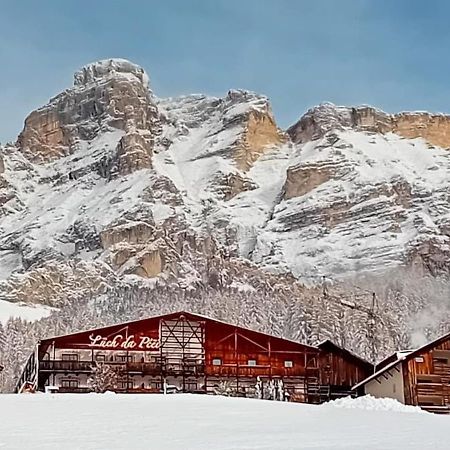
[158, 422]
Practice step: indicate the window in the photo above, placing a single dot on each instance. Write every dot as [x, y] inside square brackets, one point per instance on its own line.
[100, 357]
[251, 362]
[440, 360]
[428, 378]
[69, 383]
[126, 384]
[441, 356]
[217, 362]
[124, 358]
[418, 359]
[69, 356]
[288, 364]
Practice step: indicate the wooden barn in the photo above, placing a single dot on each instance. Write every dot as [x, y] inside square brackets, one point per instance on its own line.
[193, 353]
[341, 369]
[418, 377]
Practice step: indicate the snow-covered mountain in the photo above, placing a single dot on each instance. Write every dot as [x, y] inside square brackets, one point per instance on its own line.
[108, 184]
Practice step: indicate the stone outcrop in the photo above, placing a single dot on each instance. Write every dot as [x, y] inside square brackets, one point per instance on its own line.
[130, 232]
[111, 94]
[6, 193]
[301, 180]
[434, 128]
[134, 152]
[149, 263]
[252, 113]
[260, 134]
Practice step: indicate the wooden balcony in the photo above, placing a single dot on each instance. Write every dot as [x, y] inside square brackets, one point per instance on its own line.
[243, 370]
[66, 366]
[142, 368]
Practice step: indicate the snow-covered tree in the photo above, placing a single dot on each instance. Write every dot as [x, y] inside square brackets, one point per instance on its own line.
[103, 378]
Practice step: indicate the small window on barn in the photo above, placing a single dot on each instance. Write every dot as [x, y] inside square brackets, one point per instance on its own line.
[217, 362]
[288, 364]
[440, 360]
[251, 362]
[441, 356]
[418, 359]
[428, 378]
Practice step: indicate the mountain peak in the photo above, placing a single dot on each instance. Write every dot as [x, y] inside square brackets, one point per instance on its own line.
[108, 68]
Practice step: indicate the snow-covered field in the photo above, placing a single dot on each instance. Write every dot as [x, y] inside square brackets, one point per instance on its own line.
[25, 312]
[206, 422]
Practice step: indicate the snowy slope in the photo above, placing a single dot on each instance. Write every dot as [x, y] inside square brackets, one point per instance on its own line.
[212, 423]
[26, 312]
[380, 196]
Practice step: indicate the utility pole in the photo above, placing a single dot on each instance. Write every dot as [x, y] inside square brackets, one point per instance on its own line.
[371, 331]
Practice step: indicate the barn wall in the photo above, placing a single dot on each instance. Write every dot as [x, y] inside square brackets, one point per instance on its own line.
[427, 376]
[337, 369]
[197, 354]
[237, 349]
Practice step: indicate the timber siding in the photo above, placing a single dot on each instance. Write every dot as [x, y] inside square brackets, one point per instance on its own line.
[426, 376]
[193, 353]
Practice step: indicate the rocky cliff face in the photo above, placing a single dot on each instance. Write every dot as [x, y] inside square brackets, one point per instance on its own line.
[434, 128]
[110, 185]
[108, 95]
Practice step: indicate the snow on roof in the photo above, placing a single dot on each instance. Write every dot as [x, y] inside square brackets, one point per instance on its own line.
[403, 355]
[380, 372]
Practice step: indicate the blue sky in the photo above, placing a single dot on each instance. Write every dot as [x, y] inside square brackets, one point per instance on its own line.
[393, 54]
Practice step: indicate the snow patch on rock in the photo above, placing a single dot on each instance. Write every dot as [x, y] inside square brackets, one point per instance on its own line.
[108, 68]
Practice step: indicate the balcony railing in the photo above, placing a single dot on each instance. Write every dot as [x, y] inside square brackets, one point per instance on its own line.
[144, 368]
[66, 366]
[74, 390]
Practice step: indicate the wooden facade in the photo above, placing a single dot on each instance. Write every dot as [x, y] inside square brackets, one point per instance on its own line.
[420, 377]
[341, 369]
[192, 353]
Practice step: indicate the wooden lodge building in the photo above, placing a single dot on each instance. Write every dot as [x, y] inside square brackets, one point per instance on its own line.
[419, 377]
[192, 353]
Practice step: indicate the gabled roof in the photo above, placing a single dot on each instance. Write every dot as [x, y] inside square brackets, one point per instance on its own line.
[190, 315]
[391, 358]
[378, 374]
[330, 346]
[401, 356]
